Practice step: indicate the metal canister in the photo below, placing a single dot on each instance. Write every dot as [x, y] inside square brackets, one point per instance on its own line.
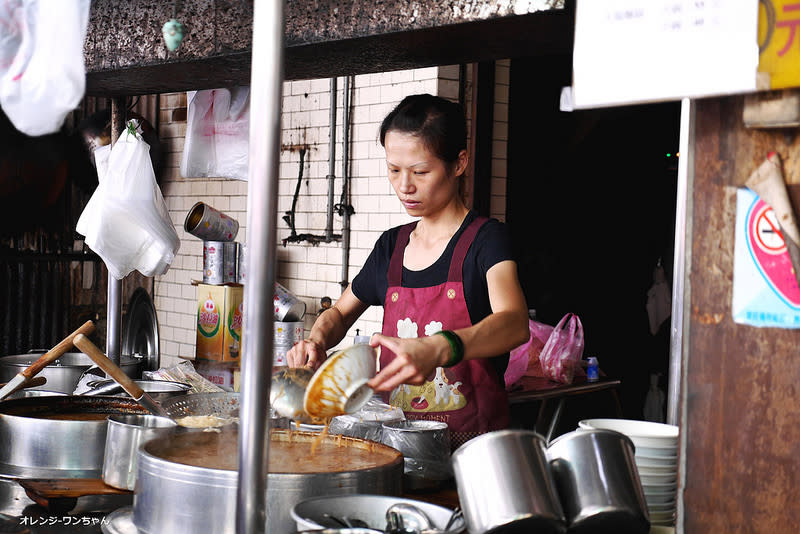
[210, 224]
[286, 335]
[213, 262]
[241, 263]
[288, 307]
[229, 262]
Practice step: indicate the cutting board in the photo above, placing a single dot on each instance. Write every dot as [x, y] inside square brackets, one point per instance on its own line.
[59, 495]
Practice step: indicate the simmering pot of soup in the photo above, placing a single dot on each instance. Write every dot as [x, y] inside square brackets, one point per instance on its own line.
[187, 482]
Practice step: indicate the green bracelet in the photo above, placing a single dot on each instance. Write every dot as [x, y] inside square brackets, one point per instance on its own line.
[456, 347]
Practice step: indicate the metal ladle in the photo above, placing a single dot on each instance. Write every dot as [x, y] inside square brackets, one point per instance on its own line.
[404, 518]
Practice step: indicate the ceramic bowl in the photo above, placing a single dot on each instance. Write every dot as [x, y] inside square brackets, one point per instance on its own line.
[642, 433]
[340, 384]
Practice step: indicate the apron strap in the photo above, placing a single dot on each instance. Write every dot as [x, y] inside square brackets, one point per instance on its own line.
[456, 273]
[395, 274]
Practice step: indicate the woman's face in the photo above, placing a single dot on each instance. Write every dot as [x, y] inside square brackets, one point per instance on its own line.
[421, 180]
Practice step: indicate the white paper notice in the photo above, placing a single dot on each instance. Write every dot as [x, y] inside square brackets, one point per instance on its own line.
[630, 51]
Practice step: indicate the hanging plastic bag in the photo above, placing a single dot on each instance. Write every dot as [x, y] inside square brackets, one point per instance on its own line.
[42, 72]
[564, 349]
[524, 360]
[217, 134]
[126, 221]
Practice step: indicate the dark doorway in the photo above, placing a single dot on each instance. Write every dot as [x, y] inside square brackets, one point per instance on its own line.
[591, 208]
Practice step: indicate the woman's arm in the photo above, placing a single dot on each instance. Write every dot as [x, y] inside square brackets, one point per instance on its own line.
[504, 329]
[328, 330]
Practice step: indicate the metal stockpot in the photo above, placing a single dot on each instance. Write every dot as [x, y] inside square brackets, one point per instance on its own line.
[63, 374]
[598, 483]
[33, 446]
[126, 433]
[504, 483]
[174, 498]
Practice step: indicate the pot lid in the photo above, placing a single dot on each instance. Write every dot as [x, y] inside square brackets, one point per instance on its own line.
[140, 330]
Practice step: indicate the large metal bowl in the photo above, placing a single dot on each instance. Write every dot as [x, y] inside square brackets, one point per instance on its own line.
[159, 390]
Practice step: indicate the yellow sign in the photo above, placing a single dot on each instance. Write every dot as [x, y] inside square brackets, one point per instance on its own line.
[779, 43]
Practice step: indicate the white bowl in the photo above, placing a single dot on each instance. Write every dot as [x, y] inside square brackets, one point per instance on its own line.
[656, 471]
[665, 462]
[642, 433]
[657, 452]
[659, 529]
[658, 499]
[658, 480]
[661, 517]
[340, 384]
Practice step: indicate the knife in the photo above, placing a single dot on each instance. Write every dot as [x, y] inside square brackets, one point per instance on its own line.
[44, 360]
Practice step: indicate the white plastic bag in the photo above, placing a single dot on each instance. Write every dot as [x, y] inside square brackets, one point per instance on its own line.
[126, 221]
[217, 134]
[42, 73]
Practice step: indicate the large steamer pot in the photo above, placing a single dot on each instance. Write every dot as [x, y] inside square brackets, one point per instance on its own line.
[35, 443]
[176, 491]
[63, 374]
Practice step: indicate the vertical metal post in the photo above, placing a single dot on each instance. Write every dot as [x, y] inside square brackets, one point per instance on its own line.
[266, 84]
[331, 161]
[680, 286]
[114, 295]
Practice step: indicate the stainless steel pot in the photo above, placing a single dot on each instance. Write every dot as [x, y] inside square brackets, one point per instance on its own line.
[126, 433]
[426, 451]
[159, 390]
[33, 444]
[597, 482]
[175, 497]
[504, 483]
[63, 374]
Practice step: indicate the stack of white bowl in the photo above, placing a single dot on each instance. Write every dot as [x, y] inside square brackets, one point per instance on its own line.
[656, 455]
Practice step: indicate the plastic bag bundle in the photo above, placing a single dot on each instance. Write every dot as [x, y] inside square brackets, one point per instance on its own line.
[367, 422]
[126, 221]
[564, 349]
[524, 360]
[42, 72]
[217, 134]
[184, 372]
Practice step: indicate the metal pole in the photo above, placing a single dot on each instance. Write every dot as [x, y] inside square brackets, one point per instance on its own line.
[331, 161]
[114, 295]
[345, 184]
[266, 84]
[680, 284]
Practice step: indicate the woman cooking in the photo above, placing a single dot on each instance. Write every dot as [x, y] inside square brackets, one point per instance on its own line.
[453, 306]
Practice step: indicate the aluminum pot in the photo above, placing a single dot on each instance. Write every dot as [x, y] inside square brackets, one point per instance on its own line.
[504, 483]
[426, 451]
[126, 433]
[597, 482]
[63, 374]
[35, 443]
[174, 496]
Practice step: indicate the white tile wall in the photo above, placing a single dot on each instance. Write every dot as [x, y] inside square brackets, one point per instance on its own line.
[310, 272]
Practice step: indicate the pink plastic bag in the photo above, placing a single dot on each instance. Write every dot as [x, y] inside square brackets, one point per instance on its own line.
[524, 360]
[564, 349]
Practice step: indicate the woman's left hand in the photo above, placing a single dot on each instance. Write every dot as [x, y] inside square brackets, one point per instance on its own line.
[416, 360]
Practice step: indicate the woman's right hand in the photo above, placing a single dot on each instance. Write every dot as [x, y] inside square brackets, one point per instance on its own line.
[306, 353]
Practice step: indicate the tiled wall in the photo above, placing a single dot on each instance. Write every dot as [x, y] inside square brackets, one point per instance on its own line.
[309, 271]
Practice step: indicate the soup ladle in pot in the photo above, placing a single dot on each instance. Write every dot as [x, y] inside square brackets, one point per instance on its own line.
[119, 376]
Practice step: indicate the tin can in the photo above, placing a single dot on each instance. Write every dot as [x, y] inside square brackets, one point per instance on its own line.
[241, 263]
[279, 355]
[592, 370]
[210, 224]
[288, 333]
[288, 307]
[213, 262]
[229, 263]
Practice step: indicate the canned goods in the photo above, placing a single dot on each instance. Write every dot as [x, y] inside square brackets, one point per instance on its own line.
[213, 262]
[210, 224]
[288, 333]
[229, 263]
[279, 355]
[288, 307]
[241, 263]
[592, 370]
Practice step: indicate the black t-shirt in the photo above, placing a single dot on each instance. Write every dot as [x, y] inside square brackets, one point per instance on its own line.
[491, 246]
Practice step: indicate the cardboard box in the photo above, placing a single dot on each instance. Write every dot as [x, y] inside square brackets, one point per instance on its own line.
[218, 373]
[219, 323]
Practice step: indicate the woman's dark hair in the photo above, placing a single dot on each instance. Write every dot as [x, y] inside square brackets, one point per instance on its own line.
[438, 122]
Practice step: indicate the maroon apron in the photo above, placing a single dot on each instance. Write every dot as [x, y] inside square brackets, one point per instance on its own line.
[468, 396]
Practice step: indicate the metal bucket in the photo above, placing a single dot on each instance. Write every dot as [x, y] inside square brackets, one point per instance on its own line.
[597, 481]
[35, 445]
[187, 496]
[504, 483]
[126, 433]
[63, 374]
[426, 451]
